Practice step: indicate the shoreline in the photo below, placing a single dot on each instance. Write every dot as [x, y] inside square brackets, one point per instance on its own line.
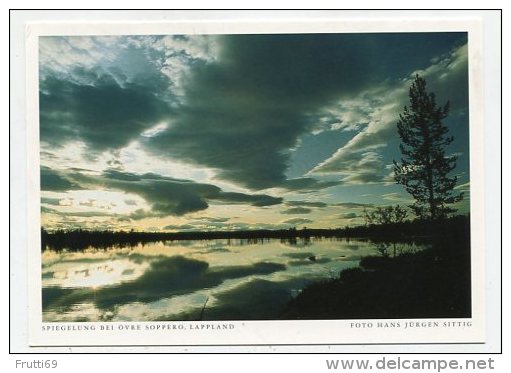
[406, 232]
[432, 283]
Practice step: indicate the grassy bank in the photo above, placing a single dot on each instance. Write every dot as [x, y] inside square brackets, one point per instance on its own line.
[432, 283]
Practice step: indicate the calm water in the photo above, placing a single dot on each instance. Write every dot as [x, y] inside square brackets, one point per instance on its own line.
[234, 279]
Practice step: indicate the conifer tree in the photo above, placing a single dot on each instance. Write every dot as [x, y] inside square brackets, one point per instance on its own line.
[425, 169]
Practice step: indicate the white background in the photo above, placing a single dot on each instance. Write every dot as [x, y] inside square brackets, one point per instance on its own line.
[228, 363]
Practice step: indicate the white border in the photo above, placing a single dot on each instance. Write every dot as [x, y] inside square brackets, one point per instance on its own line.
[288, 332]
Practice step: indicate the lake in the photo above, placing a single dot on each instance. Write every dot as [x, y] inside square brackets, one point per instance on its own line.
[190, 280]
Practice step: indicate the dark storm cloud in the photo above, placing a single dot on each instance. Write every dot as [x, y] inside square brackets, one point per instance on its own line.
[104, 114]
[169, 196]
[165, 195]
[241, 113]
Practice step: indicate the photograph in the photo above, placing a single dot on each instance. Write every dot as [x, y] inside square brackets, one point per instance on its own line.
[261, 182]
[254, 176]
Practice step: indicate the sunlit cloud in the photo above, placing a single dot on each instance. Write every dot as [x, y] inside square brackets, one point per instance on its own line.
[177, 126]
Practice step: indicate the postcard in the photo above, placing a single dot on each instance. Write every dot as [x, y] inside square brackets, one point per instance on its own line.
[255, 183]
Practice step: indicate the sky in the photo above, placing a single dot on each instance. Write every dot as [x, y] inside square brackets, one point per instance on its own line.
[228, 132]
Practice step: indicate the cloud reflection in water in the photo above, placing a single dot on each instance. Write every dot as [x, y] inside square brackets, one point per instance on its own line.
[171, 281]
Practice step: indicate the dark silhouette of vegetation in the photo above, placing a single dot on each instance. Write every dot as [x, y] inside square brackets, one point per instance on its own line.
[405, 231]
[395, 283]
[385, 215]
[432, 283]
[424, 168]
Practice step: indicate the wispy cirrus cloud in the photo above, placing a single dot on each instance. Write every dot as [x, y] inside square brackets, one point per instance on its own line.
[377, 111]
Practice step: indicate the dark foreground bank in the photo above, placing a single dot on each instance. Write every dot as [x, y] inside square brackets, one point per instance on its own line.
[433, 283]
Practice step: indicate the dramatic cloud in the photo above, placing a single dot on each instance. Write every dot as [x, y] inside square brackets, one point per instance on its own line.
[242, 112]
[235, 103]
[107, 91]
[302, 116]
[166, 196]
[105, 115]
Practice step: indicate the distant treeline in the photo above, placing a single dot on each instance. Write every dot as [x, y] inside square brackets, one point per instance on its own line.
[79, 239]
